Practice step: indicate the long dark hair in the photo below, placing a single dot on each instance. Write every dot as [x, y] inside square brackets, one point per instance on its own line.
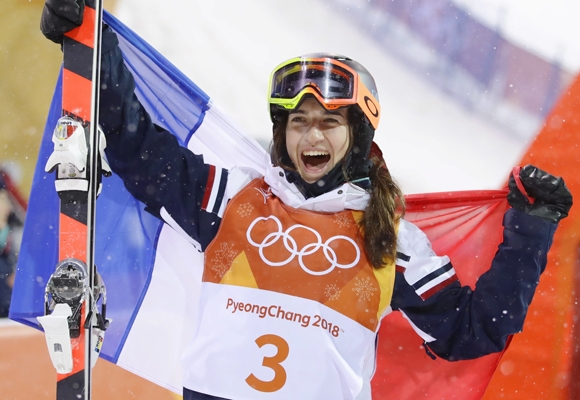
[386, 205]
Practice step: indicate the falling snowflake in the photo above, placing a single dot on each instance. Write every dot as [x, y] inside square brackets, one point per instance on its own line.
[364, 288]
[245, 209]
[342, 220]
[223, 259]
[332, 292]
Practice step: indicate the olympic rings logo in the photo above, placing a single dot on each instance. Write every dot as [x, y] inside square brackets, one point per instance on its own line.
[292, 247]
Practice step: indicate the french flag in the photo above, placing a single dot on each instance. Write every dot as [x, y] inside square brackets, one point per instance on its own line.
[153, 274]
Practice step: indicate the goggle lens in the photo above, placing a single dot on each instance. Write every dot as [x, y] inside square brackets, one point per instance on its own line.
[329, 80]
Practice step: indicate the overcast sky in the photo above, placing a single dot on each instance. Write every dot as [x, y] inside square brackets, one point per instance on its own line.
[547, 27]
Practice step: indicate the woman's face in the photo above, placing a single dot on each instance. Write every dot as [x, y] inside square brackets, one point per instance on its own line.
[316, 138]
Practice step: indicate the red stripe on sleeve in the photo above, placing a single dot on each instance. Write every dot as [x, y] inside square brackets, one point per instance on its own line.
[208, 187]
[437, 288]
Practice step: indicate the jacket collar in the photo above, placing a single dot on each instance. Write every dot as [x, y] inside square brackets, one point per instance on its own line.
[345, 197]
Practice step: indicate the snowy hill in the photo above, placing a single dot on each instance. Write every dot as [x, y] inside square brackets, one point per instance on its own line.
[229, 48]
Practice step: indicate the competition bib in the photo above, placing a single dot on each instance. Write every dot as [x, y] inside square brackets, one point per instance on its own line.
[289, 303]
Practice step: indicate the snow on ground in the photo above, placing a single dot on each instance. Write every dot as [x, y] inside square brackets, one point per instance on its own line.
[229, 48]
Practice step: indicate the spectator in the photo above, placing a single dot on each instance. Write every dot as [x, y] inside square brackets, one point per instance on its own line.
[10, 229]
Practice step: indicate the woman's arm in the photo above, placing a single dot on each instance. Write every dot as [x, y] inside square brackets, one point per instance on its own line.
[168, 178]
[458, 322]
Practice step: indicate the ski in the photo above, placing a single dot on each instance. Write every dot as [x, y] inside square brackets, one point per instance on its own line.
[74, 325]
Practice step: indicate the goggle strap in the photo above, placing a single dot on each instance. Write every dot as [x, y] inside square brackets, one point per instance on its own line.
[369, 105]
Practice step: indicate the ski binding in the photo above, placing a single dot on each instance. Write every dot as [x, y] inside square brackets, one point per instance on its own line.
[65, 294]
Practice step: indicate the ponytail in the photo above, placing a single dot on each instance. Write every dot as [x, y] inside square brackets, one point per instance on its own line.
[385, 209]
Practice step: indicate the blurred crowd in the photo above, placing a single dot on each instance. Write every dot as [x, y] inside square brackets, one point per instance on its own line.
[12, 209]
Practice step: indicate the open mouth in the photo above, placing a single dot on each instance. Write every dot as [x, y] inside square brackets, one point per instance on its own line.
[315, 158]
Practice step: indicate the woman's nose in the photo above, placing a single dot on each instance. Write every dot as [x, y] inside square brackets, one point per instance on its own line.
[314, 135]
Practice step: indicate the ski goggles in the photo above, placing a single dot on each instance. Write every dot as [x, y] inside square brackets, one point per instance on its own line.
[333, 83]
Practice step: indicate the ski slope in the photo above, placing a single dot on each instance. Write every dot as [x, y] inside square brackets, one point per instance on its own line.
[229, 48]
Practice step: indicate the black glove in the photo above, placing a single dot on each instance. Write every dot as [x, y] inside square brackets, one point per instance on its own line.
[546, 196]
[61, 16]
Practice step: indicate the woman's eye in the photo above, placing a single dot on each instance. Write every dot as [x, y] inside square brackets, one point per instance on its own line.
[297, 119]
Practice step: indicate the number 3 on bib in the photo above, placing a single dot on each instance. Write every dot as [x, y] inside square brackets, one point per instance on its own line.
[273, 363]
